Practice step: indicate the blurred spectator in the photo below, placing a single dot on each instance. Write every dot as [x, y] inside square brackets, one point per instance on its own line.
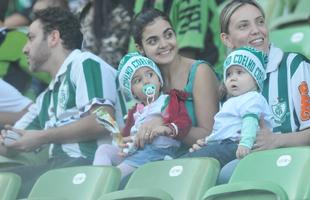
[3, 7]
[18, 13]
[105, 25]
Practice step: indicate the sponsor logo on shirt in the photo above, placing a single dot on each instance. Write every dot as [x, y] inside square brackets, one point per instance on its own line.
[304, 101]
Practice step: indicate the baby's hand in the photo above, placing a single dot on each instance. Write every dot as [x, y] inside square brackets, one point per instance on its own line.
[198, 145]
[242, 151]
[127, 146]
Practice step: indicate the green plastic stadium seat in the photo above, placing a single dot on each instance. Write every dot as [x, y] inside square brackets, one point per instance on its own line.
[25, 158]
[291, 32]
[299, 15]
[180, 179]
[290, 6]
[279, 174]
[9, 186]
[289, 20]
[302, 6]
[295, 38]
[76, 183]
[9, 162]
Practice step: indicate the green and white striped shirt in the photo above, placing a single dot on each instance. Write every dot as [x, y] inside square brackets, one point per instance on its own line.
[287, 90]
[82, 81]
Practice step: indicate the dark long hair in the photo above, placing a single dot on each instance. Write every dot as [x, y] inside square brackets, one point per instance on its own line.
[142, 19]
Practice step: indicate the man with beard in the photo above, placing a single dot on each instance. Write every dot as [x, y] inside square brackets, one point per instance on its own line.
[63, 116]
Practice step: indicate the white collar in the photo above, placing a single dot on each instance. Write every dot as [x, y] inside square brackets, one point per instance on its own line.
[63, 67]
[274, 58]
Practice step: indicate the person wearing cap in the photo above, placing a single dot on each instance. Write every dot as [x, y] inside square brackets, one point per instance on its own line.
[237, 122]
[140, 78]
[286, 87]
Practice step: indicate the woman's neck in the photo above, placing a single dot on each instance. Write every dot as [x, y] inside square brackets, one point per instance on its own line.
[175, 73]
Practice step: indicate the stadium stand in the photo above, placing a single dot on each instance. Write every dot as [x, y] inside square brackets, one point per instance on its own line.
[272, 8]
[76, 183]
[291, 31]
[180, 179]
[281, 174]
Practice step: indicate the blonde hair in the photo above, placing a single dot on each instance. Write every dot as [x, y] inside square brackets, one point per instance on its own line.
[230, 9]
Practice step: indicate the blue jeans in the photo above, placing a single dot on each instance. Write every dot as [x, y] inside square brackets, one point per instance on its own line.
[226, 172]
[150, 153]
[224, 151]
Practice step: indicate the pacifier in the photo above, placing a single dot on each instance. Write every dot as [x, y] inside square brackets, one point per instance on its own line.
[149, 90]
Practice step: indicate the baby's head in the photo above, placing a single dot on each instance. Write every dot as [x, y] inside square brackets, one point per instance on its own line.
[244, 71]
[139, 77]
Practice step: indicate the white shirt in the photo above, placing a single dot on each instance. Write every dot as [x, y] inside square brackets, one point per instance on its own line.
[11, 100]
[228, 121]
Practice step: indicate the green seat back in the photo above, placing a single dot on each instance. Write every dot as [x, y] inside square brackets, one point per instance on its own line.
[281, 174]
[9, 186]
[295, 38]
[76, 183]
[290, 5]
[180, 179]
[25, 158]
[303, 6]
[298, 13]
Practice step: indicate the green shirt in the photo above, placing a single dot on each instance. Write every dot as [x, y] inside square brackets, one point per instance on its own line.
[287, 90]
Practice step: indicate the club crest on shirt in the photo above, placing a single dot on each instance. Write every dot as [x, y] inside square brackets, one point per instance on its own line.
[279, 112]
[63, 96]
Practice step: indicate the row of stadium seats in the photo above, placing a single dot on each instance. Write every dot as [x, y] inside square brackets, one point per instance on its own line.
[281, 174]
[289, 24]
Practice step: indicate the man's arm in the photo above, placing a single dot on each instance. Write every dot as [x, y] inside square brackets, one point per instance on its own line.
[268, 140]
[84, 129]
